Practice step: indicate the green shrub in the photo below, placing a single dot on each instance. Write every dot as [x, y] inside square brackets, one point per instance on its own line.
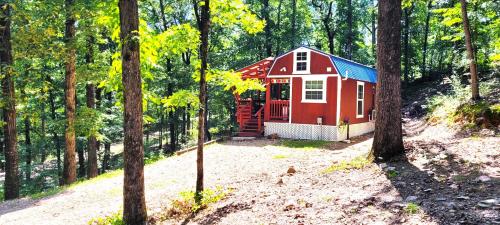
[358, 162]
[392, 173]
[113, 219]
[412, 208]
[186, 204]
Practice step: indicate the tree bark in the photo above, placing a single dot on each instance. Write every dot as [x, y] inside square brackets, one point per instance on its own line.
[55, 135]
[92, 145]
[388, 139]
[134, 203]
[267, 29]
[349, 38]
[294, 25]
[470, 53]
[69, 171]
[11, 185]
[426, 34]
[203, 21]
[27, 139]
[92, 140]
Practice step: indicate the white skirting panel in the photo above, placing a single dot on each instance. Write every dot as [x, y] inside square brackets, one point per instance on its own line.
[315, 132]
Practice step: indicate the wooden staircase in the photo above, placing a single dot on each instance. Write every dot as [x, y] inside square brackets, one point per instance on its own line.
[251, 128]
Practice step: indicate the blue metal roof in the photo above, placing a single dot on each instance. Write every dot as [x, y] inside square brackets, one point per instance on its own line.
[350, 69]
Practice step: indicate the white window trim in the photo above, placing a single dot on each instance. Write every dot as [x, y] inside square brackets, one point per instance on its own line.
[304, 79]
[359, 83]
[308, 61]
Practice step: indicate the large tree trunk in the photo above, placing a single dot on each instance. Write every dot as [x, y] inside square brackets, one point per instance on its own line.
[11, 185]
[470, 53]
[406, 38]
[388, 139]
[203, 21]
[426, 34]
[134, 203]
[92, 144]
[69, 173]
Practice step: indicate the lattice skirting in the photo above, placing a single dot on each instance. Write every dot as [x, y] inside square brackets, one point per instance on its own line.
[315, 132]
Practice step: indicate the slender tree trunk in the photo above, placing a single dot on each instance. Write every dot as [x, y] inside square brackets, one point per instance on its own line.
[294, 25]
[69, 173]
[470, 53]
[349, 30]
[388, 139]
[134, 203]
[11, 185]
[92, 140]
[27, 137]
[2, 147]
[188, 120]
[203, 21]
[160, 139]
[278, 29]
[43, 129]
[267, 28]
[426, 34]
[55, 135]
[92, 145]
[81, 161]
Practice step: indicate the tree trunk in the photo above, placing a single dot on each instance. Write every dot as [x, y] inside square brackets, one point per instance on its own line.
[374, 31]
[43, 126]
[349, 30]
[294, 25]
[470, 53]
[406, 45]
[69, 173]
[11, 185]
[426, 34]
[278, 28]
[92, 146]
[134, 203]
[55, 136]
[203, 21]
[81, 161]
[388, 139]
[27, 137]
[107, 156]
[92, 140]
[267, 28]
[188, 120]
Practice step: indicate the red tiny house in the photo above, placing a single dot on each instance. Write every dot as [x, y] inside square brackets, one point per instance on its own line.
[309, 95]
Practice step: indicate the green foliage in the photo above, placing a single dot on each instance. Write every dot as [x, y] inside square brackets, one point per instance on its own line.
[392, 174]
[113, 219]
[358, 162]
[411, 208]
[279, 156]
[187, 204]
[304, 144]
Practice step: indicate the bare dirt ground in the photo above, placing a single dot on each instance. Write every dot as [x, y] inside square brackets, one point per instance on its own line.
[447, 178]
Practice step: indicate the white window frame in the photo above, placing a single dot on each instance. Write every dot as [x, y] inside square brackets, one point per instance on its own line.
[359, 83]
[308, 61]
[323, 89]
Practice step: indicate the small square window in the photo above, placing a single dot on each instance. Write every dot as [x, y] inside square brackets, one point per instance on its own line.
[301, 66]
[301, 56]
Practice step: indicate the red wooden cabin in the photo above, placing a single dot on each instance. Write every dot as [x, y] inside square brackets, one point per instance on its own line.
[309, 95]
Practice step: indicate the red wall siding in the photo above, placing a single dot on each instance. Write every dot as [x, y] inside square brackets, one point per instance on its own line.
[319, 63]
[348, 101]
[306, 113]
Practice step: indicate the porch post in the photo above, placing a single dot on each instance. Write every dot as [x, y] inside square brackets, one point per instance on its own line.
[267, 107]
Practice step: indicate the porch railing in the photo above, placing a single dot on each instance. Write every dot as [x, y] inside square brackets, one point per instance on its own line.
[259, 118]
[279, 110]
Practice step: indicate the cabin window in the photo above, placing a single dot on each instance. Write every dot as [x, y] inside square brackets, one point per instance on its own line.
[314, 91]
[301, 62]
[360, 99]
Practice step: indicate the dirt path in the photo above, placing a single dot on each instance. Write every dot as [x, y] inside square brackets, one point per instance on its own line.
[228, 164]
